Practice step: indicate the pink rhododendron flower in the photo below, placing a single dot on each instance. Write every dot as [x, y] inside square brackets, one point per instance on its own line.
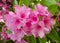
[1, 18]
[59, 19]
[25, 21]
[3, 0]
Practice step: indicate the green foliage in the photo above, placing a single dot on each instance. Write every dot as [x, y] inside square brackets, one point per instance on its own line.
[25, 2]
[15, 2]
[32, 39]
[54, 36]
[48, 2]
[57, 0]
[8, 31]
[53, 9]
[6, 41]
[10, 41]
[1, 25]
[42, 40]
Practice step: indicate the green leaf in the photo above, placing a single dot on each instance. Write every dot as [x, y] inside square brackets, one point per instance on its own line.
[25, 2]
[20, 2]
[57, 23]
[57, 0]
[40, 17]
[8, 31]
[32, 39]
[1, 25]
[53, 36]
[0, 28]
[26, 38]
[0, 8]
[42, 40]
[7, 41]
[48, 2]
[10, 41]
[15, 2]
[2, 41]
[53, 9]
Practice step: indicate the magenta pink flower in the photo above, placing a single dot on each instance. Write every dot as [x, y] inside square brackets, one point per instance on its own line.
[1, 18]
[4, 1]
[59, 19]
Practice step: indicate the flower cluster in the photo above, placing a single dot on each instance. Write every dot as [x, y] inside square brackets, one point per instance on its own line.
[25, 21]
